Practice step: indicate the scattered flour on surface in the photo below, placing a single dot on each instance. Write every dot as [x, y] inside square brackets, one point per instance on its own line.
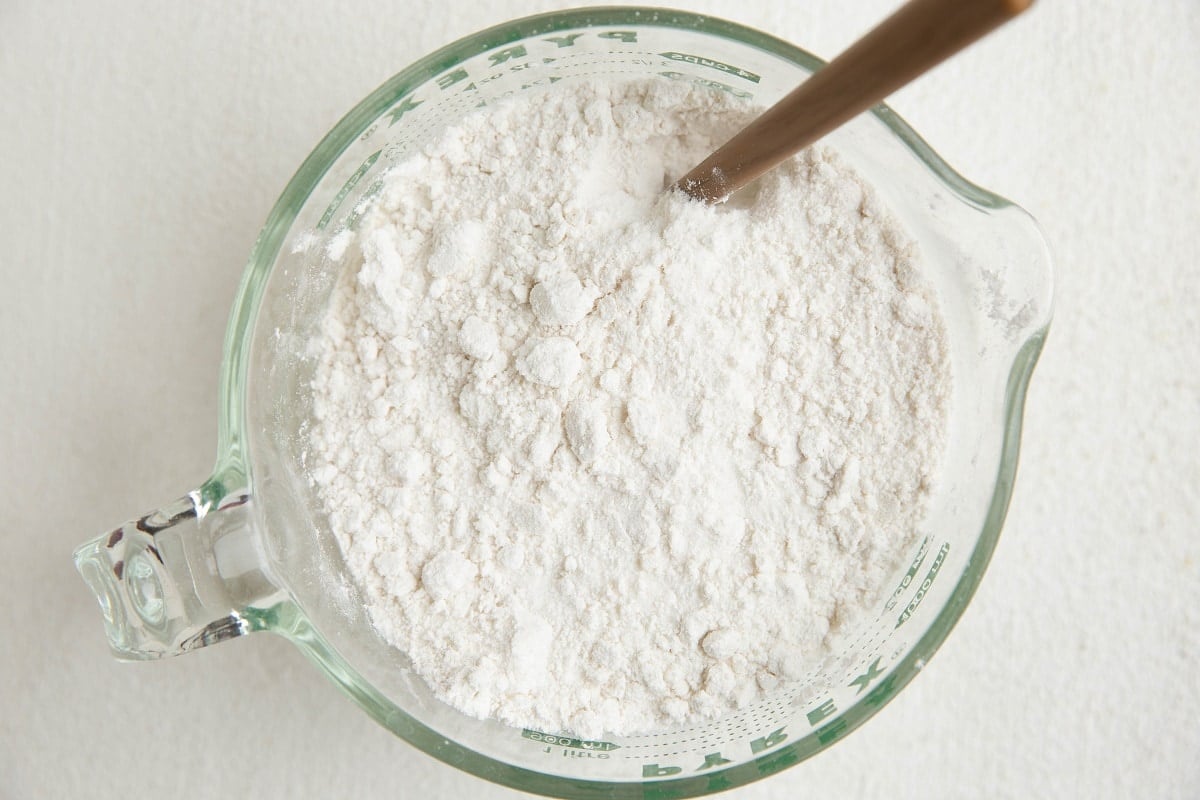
[603, 459]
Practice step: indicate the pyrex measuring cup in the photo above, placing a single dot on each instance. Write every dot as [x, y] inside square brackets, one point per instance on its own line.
[250, 550]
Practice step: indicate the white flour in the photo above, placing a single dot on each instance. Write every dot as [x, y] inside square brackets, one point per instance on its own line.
[608, 460]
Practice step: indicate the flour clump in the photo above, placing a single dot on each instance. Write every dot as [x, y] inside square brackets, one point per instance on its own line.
[603, 459]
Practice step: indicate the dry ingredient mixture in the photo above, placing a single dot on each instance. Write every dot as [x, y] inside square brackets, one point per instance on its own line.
[604, 459]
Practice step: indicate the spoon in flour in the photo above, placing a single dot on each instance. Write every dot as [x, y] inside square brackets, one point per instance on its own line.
[918, 37]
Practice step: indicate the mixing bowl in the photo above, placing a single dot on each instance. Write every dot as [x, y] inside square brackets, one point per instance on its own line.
[250, 549]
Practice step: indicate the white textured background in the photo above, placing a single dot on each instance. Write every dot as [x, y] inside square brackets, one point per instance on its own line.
[141, 146]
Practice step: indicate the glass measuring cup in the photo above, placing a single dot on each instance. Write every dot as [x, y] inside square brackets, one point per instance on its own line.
[250, 550]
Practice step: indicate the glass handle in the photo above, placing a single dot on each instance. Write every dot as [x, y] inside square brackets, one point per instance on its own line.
[184, 576]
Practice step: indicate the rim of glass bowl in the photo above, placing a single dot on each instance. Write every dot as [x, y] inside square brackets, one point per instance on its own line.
[232, 465]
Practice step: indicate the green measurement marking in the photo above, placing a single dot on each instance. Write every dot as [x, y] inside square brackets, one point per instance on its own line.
[925, 584]
[345, 190]
[354, 216]
[567, 741]
[922, 551]
[720, 66]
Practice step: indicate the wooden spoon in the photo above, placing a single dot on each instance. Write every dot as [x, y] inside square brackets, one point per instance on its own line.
[918, 37]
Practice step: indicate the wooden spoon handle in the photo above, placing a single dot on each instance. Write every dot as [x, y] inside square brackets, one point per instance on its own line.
[918, 37]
